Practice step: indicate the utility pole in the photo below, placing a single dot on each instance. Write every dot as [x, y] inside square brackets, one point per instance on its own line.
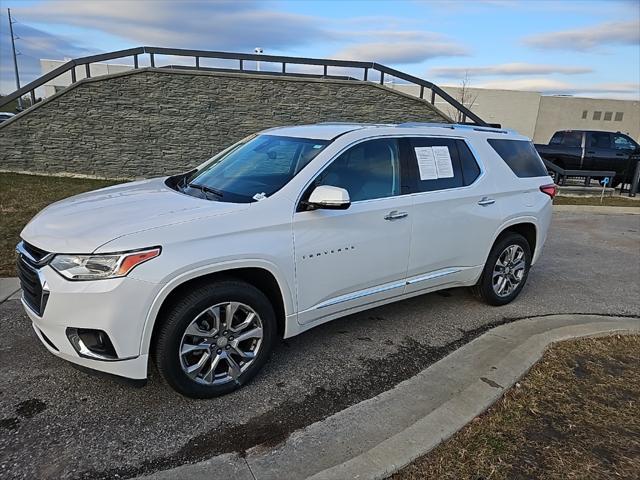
[15, 60]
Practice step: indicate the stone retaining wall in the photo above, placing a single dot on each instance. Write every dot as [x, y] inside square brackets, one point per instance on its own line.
[151, 122]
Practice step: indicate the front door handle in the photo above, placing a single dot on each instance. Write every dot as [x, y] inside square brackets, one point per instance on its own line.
[395, 215]
[486, 201]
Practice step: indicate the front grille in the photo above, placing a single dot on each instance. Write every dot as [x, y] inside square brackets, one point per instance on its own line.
[31, 287]
[35, 252]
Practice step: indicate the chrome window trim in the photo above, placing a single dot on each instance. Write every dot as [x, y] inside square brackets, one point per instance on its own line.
[473, 150]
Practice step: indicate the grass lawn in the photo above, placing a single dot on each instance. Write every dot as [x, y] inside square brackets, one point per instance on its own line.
[22, 196]
[574, 415]
[615, 201]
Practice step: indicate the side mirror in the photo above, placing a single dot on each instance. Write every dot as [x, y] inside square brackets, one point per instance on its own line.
[328, 197]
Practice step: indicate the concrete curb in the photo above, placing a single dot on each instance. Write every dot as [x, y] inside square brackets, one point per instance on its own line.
[9, 289]
[597, 210]
[377, 437]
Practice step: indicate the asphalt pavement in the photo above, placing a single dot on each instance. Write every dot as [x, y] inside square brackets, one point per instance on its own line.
[58, 422]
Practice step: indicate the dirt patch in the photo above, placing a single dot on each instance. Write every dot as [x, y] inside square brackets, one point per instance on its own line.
[574, 415]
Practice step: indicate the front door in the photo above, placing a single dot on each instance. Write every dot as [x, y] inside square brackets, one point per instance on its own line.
[358, 256]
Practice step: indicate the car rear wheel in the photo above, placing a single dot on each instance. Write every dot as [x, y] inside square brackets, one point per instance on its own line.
[506, 271]
[215, 339]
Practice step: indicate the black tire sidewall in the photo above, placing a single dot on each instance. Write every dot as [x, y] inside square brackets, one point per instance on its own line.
[486, 282]
[182, 314]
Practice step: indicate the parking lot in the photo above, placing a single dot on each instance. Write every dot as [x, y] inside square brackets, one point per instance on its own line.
[58, 422]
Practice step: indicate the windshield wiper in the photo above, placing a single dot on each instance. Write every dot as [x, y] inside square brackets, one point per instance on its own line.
[183, 182]
[206, 189]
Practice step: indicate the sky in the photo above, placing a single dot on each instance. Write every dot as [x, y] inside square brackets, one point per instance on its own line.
[573, 47]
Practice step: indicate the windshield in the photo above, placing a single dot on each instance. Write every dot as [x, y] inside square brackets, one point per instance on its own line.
[255, 169]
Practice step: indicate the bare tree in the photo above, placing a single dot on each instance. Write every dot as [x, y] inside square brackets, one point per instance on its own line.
[466, 97]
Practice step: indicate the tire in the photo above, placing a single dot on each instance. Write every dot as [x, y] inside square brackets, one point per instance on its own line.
[485, 288]
[197, 323]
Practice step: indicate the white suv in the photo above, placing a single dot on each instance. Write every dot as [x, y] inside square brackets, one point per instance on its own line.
[279, 233]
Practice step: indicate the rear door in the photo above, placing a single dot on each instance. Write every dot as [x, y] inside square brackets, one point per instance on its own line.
[569, 155]
[599, 154]
[455, 215]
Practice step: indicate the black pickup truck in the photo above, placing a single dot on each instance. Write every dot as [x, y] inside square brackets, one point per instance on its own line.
[592, 150]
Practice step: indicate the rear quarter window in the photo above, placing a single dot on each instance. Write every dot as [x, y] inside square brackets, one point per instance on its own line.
[521, 157]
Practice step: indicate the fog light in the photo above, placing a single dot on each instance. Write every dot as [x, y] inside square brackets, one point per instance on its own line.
[92, 343]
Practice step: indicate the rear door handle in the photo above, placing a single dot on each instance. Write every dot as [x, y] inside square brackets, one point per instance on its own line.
[395, 215]
[486, 201]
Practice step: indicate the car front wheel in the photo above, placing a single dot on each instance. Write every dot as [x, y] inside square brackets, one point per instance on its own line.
[215, 339]
[506, 270]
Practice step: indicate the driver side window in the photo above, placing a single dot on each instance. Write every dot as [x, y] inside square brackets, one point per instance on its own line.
[620, 142]
[367, 171]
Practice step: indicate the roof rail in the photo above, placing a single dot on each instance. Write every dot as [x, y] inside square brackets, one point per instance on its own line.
[365, 67]
[482, 129]
[426, 124]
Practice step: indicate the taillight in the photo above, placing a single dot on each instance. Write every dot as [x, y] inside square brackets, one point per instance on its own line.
[551, 189]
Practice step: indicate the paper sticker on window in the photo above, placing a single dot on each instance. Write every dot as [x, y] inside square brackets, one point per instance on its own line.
[443, 162]
[426, 163]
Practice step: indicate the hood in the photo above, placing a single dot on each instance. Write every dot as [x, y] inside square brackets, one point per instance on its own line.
[82, 223]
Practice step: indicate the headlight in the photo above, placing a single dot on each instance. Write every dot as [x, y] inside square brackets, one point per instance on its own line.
[95, 267]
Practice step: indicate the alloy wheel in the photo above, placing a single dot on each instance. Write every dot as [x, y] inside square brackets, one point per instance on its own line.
[220, 343]
[509, 270]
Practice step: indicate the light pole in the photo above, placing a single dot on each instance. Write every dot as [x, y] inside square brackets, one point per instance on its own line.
[258, 51]
[15, 60]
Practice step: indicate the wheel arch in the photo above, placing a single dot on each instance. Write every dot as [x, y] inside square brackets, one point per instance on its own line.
[528, 230]
[262, 275]
[525, 226]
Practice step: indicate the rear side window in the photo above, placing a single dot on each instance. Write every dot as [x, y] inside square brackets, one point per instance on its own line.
[470, 168]
[520, 156]
[440, 163]
[572, 139]
[567, 139]
[557, 138]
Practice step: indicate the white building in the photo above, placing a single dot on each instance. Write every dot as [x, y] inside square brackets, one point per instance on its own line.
[539, 116]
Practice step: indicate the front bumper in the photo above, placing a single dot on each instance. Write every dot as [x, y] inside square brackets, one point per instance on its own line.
[117, 306]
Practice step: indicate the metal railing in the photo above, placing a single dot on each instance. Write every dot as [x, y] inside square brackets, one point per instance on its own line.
[631, 177]
[560, 175]
[432, 91]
